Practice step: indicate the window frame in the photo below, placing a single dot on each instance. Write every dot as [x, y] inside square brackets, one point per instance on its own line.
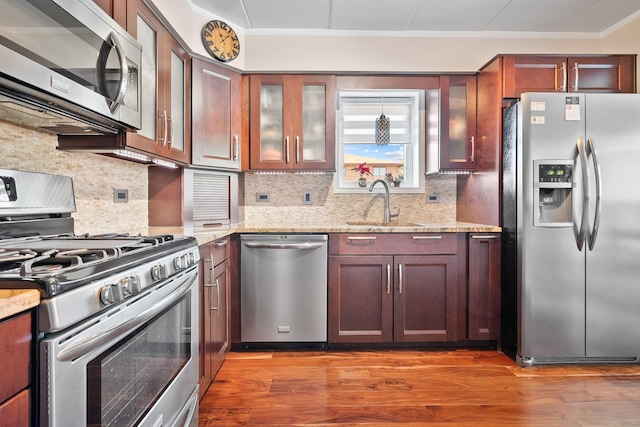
[415, 149]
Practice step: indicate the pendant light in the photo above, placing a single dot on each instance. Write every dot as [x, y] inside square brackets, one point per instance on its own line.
[382, 127]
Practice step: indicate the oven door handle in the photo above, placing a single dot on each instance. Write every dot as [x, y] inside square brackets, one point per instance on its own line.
[91, 343]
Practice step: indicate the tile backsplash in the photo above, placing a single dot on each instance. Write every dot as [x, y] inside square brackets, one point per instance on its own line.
[286, 201]
[94, 178]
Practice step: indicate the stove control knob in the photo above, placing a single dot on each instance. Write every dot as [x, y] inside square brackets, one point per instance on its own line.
[130, 285]
[178, 263]
[159, 272]
[111, 294]
[191, 258]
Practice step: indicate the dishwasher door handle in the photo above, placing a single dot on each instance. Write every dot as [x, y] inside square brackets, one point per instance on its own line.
[303, 246]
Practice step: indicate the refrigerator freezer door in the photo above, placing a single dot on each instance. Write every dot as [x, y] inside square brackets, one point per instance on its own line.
[613, 266]
[551, 288]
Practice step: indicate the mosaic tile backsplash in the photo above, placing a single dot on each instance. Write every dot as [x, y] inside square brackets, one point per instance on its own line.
[94, 179]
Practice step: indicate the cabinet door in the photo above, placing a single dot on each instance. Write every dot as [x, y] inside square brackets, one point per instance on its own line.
[270, 121]
[534, 74]
[313, 145]
[176, 112]
[458, 121]
[216, 116]
[165, 87]
[206, 331]
[609, 74]
[292, 122]
[360, 299]
[219, 314]
[425, 298]
[484, 287]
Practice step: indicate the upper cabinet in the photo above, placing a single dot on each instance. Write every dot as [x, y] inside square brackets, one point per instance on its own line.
[292, 122]
[165, 87]
[458, 123]
[165, 133]
[216, 116]
[542, 73]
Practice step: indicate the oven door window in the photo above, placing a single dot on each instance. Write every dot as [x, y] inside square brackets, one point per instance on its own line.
[125, 381]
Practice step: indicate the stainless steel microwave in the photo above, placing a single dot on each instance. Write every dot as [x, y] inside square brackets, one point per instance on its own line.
[66, 66]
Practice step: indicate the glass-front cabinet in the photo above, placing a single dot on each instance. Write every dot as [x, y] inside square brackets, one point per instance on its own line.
[458, 150]
[292, 122]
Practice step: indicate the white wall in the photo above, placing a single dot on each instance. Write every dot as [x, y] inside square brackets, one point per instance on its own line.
[318, 51]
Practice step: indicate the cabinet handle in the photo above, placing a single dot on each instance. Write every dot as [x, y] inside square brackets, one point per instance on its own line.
[400, 278]
[426, 237]
[297, 149]
[235, 147]
[222, 243]
[575, 67]
[163, 117]
[484, 237]
[286, 149]
[564, 77]
[218, 295]
[170, 137]
[473, 149]
[388, 279]
[361, 238]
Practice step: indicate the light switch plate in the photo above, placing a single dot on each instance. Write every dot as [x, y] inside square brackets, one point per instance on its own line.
[307, 199]
[433, 198]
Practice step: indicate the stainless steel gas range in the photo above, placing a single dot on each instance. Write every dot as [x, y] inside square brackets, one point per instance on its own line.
[117, 338]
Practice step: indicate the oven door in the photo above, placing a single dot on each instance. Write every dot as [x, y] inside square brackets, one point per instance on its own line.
[137, 364]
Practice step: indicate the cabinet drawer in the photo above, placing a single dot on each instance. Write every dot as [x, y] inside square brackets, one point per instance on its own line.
[15, 354]
[15, 411]
[220, 250]
[393, 244]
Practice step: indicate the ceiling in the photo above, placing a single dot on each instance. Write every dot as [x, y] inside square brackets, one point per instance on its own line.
[540, 16]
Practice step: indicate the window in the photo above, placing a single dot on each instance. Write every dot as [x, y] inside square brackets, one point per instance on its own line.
[401, 157]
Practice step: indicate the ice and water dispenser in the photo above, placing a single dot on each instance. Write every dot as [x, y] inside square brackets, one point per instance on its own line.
[552, 193]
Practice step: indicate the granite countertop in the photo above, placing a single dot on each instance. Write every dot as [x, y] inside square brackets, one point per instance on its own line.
[205, 235]
[14, 301]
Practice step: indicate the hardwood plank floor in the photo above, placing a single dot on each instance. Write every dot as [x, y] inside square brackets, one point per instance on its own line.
[412, 388]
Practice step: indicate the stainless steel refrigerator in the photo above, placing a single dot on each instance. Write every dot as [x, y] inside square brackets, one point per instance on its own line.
[571, 228]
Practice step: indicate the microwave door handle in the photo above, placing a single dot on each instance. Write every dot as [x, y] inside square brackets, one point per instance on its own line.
[124, 71]
[596, 168]
[584, 220]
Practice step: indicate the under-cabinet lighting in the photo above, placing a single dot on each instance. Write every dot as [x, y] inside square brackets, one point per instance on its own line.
[165, 163]
[132, 155]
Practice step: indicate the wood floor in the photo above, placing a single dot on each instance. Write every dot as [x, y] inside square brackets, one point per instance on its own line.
[411, 388]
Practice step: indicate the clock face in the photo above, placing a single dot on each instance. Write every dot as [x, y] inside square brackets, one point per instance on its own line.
[220, 40]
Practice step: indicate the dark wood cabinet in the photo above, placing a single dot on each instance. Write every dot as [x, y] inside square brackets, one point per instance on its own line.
[548, 73]
[292, 122]
[214, 309]
[382, 291]
[15, 366]
[165, 133]
[216, 116]
[457, 123]
[484, 286]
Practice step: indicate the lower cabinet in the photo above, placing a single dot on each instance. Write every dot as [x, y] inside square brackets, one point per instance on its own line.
[392, 288]
[214, 309]
[15, 365]
[484, 286]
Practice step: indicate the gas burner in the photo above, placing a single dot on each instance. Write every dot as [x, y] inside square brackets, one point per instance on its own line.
[57, 261]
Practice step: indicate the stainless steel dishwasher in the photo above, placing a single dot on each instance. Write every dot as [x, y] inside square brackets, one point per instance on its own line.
[283, 289]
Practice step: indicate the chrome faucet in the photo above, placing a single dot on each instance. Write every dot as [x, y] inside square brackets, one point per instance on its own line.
[387, 209]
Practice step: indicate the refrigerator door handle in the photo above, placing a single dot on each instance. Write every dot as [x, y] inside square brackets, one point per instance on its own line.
[586, 191]
[596, 167]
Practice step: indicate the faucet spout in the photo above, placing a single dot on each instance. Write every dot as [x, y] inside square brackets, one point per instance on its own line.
[387, 209]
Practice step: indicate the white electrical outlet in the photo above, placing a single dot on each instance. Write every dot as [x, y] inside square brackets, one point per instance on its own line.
[307, 200]
[433, 198]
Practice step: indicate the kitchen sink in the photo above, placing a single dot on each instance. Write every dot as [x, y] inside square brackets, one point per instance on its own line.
[384, 224]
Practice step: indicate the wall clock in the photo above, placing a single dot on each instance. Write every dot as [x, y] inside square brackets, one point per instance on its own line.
[220, 40]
